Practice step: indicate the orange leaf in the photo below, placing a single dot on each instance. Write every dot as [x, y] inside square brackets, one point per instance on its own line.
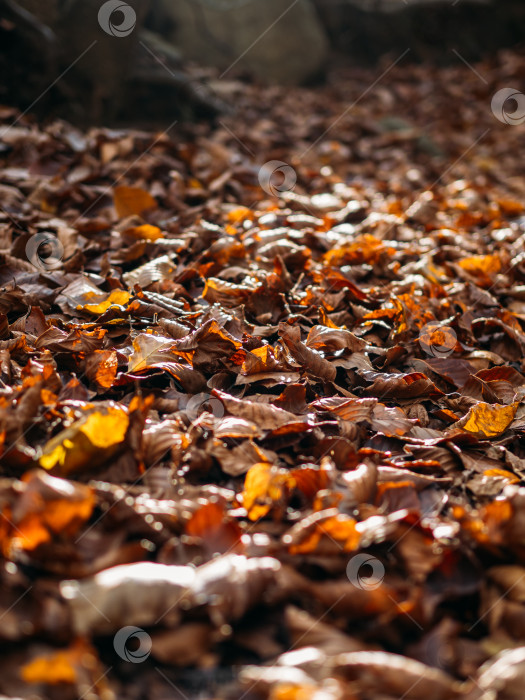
[341, 529]
[240, 214]
[484, 267]
[53, 669]
[264, 487]
[47, 506]
[146, 232]
[210, 523]
[502, 473]
[132, 200]
[364, 249]
[511, 207]
[294, 691]
[107, 368]
[61, 666]
[101, 367]
[310, 480]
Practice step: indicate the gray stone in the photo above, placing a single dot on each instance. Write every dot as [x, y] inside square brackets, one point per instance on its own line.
[275, 40]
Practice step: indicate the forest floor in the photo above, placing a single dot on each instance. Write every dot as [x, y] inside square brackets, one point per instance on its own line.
[262, 396]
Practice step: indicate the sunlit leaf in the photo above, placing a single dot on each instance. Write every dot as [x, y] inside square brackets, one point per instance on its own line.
[364, 249]
[340, 530]
[101, 367]
[64, 666]
[310, 480]
[265, 487]
[149, 349]
[46, 506]
[290, 691]
[90, 440]
[52, 669]
[482, 267]
[144, 232]
[488, 420]
[502, 473]
[132, 200]
[118, 297]
[240, 214]
[210, 523]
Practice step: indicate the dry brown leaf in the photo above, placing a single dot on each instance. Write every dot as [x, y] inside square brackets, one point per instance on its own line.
[311, 361]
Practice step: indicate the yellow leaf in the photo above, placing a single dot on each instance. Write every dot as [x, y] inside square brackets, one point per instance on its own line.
[118, 297]
[132, 200]
[488, 419]
[106, 430]
[90, 440]
[264, 487]
[144, 232]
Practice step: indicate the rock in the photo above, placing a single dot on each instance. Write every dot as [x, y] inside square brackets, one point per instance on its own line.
[275, 41]
[95, 52]
[367, 30]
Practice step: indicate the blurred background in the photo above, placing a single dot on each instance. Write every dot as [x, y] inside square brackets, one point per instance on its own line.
[174, 58]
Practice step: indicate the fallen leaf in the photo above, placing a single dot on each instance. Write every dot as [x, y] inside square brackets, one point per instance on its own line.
[265, 488]
[488, 420]
[132, 200]
[91, 440]
[118, 297]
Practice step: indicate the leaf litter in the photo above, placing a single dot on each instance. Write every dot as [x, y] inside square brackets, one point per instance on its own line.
[280, 431]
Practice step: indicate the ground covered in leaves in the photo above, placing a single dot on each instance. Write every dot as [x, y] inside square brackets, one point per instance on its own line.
[262, 436]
